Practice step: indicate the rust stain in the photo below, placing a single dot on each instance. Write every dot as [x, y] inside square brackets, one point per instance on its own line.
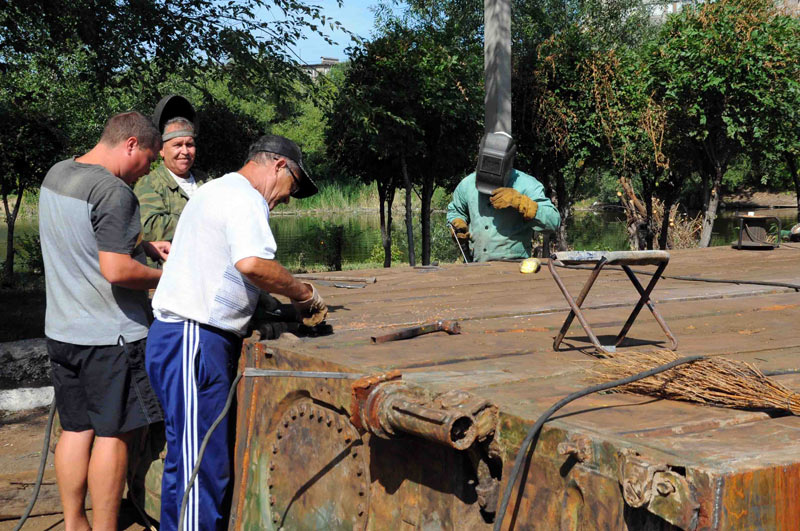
[251, 412]
[776, 308]
[763, 499]
[787, 508]
[748, 332]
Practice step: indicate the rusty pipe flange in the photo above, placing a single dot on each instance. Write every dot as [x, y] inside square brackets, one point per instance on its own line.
[360, 391]
[318, 471]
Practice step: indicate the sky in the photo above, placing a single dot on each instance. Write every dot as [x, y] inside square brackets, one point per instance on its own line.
[355, 15]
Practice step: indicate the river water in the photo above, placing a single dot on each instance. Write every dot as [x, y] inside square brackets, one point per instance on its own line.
[309, 239]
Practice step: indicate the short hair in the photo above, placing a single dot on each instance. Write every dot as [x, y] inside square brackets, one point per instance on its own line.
[122, 126]
[263, 157]
[180, 120]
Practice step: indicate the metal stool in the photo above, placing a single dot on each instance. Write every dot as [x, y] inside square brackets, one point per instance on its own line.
[625, 259]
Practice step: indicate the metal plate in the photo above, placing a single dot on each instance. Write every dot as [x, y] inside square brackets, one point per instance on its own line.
[318, 474]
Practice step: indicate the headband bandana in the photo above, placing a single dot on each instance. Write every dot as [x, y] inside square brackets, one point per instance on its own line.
[176, 134]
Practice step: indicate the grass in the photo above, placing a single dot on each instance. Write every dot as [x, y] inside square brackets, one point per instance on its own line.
[23, 309]
[352, 196]
[28, 209]
[335, 196]
[297, 267]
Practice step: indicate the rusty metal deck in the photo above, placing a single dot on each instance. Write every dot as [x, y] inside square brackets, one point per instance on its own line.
[741, 468]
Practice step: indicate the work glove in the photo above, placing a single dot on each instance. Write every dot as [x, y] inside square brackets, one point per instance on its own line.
[312, 311]
[461, 228]
[508, 197]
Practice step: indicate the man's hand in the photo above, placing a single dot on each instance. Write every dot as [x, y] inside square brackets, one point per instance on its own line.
[157, 251]
[461, 228]
[508, 197]
[311, 311]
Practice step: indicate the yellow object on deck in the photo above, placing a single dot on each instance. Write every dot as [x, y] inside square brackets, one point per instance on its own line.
[530, 265]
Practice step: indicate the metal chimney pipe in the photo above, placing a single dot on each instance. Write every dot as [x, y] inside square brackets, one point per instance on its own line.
[497, 65]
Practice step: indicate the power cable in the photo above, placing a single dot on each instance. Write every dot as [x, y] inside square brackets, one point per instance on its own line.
[42, 463]
[523, 449]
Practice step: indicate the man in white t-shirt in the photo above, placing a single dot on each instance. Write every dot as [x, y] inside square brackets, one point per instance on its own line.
[222, 254]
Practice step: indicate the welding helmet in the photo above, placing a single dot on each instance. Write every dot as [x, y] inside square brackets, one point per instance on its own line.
[495, 161]
[173, 106]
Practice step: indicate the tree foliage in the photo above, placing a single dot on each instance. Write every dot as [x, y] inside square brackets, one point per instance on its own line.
[30, 144]
[132, 43]
[409, 104]
[563, 55]
[722, 70]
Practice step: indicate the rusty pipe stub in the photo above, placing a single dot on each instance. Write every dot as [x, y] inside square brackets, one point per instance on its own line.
[391, 407]
[397, 409]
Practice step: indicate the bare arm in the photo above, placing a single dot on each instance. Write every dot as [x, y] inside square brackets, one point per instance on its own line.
[122, 270]
[272, 277]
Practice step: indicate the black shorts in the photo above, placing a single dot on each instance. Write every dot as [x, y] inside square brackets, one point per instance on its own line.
[102, 388]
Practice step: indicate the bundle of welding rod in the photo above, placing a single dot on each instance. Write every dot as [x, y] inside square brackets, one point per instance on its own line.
[713, 380]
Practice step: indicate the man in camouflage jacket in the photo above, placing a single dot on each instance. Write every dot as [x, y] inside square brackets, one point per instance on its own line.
[165, 191]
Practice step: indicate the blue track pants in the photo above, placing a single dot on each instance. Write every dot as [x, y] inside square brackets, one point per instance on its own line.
[191, 368]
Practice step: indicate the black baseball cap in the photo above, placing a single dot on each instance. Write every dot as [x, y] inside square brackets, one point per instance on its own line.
[286, 148]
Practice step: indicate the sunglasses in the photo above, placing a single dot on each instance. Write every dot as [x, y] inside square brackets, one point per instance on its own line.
[296, 181]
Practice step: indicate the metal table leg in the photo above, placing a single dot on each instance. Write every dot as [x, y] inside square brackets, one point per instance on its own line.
[575, 305]
[644, 298]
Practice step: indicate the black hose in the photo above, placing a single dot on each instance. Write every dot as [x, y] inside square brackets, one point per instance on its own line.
[213, 427]
[523, 449]
[42, 462]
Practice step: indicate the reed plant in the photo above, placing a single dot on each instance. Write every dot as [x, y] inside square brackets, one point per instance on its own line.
[336, 196]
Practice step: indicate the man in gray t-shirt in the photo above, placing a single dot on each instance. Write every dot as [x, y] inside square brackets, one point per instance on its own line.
[98, 313]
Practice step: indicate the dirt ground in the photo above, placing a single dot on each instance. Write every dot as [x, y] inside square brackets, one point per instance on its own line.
[744, 198]
[21, 438]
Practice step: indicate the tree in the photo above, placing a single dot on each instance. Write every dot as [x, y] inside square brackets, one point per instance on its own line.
[558, 128]
[127, 55]
[30, 145]
[364, 136]
[717, 70]
[416, 103]
[138, 43]
[79, 62]
[560, 48]
[644, 147]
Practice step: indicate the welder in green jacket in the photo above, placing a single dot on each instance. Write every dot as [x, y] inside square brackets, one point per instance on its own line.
[500, 226]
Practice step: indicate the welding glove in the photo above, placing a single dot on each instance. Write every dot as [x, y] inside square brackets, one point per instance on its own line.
[312, 311]
[461, 228]
[508, 197]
